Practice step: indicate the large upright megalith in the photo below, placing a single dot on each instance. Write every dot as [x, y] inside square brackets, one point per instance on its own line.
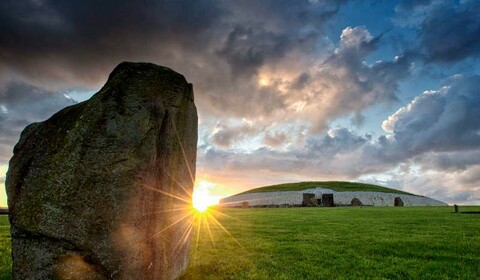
[101, 190]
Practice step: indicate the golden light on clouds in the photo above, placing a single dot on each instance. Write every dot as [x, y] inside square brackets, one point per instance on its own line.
[263, 82]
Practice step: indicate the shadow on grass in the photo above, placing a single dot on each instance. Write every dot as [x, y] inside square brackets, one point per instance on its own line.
[470, 212]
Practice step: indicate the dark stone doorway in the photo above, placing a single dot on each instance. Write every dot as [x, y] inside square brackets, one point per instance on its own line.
[327, 200]
[398, 201]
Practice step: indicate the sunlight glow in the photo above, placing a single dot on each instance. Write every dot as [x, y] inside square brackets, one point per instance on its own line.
[263, 82]
[202, 198]
[191, 208]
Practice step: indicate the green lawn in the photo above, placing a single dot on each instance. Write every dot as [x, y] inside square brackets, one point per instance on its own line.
[340, 243]
[334, 185]
[330, 243]
[5, 259]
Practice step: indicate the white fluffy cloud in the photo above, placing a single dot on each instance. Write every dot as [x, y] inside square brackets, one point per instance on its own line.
[432, 147]
[441, 120]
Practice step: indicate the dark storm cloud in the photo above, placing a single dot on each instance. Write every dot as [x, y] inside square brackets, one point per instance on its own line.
[300, 82]
[246, 49]
[52, 25]
[451, 32]
[20, 105]
[299, 20]
[270, 28]
[56, 45]
[85, 38]
[61, 44]
[43, 39]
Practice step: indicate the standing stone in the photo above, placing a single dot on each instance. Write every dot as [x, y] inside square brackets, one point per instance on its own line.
[101, 190]
[356, 202]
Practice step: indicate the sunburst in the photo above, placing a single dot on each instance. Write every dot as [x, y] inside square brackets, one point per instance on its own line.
[194, 208]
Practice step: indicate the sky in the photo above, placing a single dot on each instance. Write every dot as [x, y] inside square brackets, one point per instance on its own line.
[384, 92]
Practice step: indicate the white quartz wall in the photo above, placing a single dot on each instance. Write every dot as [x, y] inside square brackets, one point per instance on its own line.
[266, 198]
[345, 198]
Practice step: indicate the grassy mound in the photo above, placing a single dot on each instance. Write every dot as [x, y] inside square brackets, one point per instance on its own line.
[338, 186]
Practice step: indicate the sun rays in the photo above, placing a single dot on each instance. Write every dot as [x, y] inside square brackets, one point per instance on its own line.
[202, 198]
[185, 212]
[196, 211]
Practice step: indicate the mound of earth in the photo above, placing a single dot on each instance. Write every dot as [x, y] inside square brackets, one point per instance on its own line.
[329, 193]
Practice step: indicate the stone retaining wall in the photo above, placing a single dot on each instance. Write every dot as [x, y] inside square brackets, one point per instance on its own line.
[295, 198]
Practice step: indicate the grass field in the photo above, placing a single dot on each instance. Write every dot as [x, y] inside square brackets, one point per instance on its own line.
[5, 260]
[331, 243]
[340, 243]
[334, 185]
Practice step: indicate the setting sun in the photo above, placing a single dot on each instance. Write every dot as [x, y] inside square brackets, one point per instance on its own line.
[202, 198]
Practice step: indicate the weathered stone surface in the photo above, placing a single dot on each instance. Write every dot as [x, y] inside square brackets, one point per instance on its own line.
[87, 188]
[308, 199]
[356, 202]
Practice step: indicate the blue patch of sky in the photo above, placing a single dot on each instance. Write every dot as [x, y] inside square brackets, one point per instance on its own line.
[379, 18]
[372, 124]
[376, 18]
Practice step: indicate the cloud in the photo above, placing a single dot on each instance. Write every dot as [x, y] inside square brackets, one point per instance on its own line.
[340, 153]
[268, 81]
[225, 48]
[451, 187]
[300, 82]
[344, 83]
[431, 147]
[447, 31]
[54, 46]
[79, 42]
[452, 161]
[316, 90]
[275, 140]
[21, 105]
[246, 49]
[269, 29]
[441, 120]
[220, 46]
[451, 33]
[226, 136]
